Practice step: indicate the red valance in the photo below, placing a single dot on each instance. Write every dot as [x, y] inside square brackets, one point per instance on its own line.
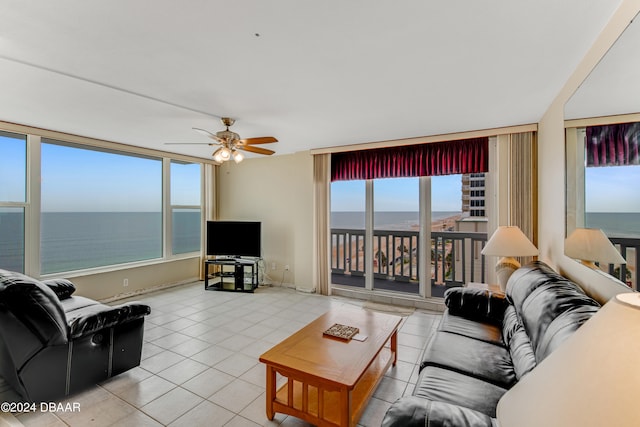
[613, 145]
[438, 158]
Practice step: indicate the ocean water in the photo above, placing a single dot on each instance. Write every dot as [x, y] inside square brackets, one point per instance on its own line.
[615, 224]
[79, 240]
[384, 220]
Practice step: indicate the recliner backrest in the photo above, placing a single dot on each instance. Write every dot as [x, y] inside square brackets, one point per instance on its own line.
[30, 313]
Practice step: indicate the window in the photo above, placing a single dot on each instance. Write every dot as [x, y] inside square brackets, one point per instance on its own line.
[396, 237]
[98, 207]
[396, 219]
[603, 167]
[611, 203]
[347, 232]
[446, 213]
[398, 207]
[93, 206]
[186, 218]
[13, 198]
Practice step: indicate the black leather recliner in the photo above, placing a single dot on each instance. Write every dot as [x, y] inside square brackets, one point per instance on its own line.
[53, 344]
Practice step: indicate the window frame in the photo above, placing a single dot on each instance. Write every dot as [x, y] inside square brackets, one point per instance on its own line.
[170, 208]
[32, 206]
[24, 204]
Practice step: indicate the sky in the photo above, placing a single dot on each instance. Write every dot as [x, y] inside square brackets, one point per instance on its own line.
[85, 180]
[80, 180]
[609, 189]
[397, 194]
[612, 189]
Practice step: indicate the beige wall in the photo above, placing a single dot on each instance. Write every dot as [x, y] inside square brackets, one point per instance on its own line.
[108, 285]
[278, 191]
[551, 164]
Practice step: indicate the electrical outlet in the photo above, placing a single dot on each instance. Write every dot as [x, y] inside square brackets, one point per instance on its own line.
[286, 267]
[125, 282]
[273, 265]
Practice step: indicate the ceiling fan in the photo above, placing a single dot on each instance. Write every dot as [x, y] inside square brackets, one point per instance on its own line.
[230, 143]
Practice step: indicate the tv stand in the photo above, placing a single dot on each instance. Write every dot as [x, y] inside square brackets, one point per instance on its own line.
[231, 274]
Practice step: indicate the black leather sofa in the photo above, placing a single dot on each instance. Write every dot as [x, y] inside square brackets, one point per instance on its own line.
[485, 343]
[53, 344]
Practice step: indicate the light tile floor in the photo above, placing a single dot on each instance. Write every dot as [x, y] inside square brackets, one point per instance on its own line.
[200, 362]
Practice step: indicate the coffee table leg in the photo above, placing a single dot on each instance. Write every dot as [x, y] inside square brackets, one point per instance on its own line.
[394, 346]
[345, 407]
[271, 391]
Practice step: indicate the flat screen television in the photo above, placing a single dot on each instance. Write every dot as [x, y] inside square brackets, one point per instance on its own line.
[234, 238]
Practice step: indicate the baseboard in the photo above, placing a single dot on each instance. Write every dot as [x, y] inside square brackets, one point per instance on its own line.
[149, 290]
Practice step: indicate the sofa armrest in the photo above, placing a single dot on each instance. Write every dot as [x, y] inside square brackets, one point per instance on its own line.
[63, 288]
[477, 304]
[99, 316]
[413, 411]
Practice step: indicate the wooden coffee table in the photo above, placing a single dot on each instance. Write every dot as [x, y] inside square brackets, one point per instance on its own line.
[329, 380]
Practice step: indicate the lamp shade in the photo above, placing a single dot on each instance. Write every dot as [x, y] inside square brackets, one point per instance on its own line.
[509, 241]
[591, 244]
[592, 379]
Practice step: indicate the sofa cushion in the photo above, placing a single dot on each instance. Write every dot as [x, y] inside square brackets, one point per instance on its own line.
[518, 343]
[413, 411]
[452, 387]
[526, 279]
[562, 327]
[482, 331]
[546, 303]
[479, 359]
[477, 304]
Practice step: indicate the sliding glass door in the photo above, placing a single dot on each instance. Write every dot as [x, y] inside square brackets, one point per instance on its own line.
[348, 209]
[416, 236]
[396, 232]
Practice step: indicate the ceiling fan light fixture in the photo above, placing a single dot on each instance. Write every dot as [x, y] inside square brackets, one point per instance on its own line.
[229, 143]
[238, 156]
[225, 153]
[216, 155]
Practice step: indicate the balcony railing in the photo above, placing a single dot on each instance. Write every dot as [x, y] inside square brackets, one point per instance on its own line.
[455, 258]
[630, 250]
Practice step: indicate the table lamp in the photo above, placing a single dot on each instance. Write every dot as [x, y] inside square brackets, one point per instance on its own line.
[508, 242]
[589, 245]
[591, 380]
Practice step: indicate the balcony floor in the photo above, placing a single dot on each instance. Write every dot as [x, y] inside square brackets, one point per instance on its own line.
[384, 284]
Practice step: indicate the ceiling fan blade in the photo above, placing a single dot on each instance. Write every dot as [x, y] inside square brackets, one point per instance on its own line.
[208, 134]
[259, 140]
[191, 143]
[256, 149]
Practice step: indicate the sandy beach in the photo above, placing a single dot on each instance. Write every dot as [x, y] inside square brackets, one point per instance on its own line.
[445, 224]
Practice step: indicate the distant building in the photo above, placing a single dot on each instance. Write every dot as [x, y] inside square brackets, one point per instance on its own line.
[474, 219]
[473, 191]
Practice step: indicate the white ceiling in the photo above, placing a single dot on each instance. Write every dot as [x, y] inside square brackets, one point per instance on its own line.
[613, 87]
[312, 74]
